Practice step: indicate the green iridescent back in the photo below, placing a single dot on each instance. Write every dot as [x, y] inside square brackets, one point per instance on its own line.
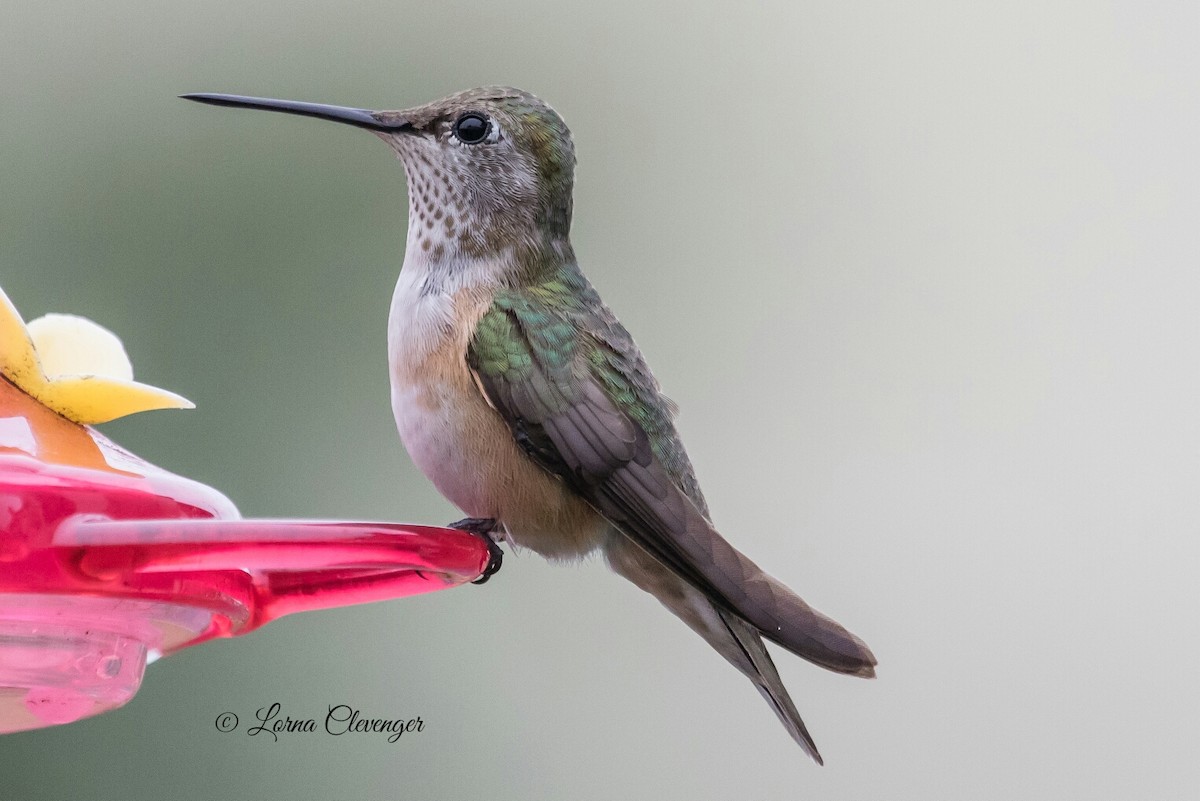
[548, 338]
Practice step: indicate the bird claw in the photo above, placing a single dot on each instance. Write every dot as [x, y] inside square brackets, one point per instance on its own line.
[483, 527]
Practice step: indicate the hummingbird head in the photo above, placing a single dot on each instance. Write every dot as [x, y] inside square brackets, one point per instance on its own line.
[488, 169]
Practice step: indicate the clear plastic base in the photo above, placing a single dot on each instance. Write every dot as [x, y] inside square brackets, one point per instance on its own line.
[63, 658]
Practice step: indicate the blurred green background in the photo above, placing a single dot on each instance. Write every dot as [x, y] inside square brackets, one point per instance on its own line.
[922, 276]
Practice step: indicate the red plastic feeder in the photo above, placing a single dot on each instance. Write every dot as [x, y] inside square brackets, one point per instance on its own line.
[108, 562]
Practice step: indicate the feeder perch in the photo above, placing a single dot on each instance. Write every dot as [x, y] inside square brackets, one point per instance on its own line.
[108, 562]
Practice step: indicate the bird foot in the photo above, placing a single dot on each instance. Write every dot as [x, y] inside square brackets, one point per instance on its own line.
[483, 527]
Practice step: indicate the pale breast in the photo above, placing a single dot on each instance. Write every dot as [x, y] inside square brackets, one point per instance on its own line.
[459, 441]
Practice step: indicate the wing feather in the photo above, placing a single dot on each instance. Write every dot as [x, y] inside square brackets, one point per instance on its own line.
[583, 413]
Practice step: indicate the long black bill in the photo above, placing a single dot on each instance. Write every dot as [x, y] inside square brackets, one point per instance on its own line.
[351, 116]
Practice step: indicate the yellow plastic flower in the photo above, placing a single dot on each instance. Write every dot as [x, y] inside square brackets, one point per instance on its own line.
[75, 367]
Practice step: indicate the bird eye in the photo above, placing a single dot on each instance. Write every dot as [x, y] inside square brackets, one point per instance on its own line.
[471, 128]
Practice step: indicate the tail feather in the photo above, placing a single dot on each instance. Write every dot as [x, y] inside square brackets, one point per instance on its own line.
[766, 679]
[739, 640]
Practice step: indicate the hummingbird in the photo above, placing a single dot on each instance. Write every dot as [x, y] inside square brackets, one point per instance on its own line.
[525, 401]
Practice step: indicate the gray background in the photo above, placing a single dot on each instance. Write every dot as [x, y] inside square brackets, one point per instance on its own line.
[922, 276]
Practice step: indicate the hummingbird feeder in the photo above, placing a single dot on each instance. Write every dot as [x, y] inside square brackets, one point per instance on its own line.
[108, 562]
